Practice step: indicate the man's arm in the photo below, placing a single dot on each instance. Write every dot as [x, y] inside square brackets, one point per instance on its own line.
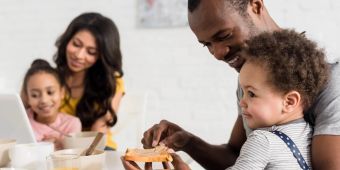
[218, 156]
[326, 152]
[326, 139]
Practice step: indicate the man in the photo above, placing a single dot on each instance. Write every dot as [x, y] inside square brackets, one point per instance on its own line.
[223, 26]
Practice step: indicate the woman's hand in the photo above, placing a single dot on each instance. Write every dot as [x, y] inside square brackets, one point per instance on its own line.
[100, 125]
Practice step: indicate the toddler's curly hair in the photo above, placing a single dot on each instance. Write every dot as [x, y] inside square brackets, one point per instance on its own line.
[293, 62]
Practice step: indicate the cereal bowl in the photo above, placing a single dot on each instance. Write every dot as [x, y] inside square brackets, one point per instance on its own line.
[5, 145]
[30, 155]
[82, 140]
[95, 161]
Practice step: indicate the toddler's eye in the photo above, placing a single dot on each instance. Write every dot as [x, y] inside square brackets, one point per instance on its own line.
[251, 94]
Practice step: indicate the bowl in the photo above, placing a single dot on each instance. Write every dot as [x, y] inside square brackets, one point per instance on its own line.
[30, 155]
[95, 161]
[82, 140]
[5, 145]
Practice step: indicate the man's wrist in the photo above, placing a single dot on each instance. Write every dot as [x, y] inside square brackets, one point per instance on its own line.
[192, 143]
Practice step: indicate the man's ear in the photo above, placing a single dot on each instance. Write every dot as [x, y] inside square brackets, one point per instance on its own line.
[255, 6]
[291, 101]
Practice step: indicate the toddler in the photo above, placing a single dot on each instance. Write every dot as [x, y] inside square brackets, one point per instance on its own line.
[282, 76]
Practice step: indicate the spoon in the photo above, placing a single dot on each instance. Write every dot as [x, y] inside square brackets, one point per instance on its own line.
[61, 132]
[93, 145]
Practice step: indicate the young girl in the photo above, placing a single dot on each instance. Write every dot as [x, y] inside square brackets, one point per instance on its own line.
[90, 60]
[43, 89]
[281, 78]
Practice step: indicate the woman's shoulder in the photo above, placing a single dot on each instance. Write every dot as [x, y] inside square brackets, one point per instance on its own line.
[120, 84]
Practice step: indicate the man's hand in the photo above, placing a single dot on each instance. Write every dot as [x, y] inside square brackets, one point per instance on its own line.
[167, 133]
[178, 163]
[129, 165]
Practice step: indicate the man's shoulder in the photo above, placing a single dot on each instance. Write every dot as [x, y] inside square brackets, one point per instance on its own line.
[335, 70]
[332, 89]
[323, 114]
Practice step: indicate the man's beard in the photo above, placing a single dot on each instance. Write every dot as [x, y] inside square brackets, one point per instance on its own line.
[252, 29]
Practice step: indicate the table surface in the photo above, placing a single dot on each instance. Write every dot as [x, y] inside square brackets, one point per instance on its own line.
[113, 160]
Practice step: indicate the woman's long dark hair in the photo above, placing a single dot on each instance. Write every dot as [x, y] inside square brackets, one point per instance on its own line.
[100, 80]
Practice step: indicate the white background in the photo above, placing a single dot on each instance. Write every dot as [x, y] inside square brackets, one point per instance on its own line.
[185, 83]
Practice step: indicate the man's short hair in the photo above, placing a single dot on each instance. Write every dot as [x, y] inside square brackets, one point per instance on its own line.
[238, 5]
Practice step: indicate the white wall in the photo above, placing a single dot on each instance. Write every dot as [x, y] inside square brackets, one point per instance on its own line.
[185, 84]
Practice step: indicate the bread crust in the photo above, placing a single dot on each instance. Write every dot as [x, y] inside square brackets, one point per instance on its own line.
[158, 154]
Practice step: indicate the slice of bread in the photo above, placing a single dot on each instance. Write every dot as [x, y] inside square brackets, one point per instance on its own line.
[157, 154]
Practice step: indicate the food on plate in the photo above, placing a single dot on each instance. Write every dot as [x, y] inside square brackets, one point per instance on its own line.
[157, 154]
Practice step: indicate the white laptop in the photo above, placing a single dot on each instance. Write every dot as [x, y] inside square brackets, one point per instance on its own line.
[14, 123]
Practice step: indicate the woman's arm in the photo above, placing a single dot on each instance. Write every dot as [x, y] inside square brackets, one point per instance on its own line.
[116, 100]
[117, 97]
[101, 123]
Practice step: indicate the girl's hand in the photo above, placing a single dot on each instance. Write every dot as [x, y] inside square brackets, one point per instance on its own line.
[57, 141]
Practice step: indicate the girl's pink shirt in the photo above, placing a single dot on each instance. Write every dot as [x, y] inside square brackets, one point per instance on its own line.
[64, 123]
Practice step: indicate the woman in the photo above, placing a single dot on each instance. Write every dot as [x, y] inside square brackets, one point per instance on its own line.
[90, 59]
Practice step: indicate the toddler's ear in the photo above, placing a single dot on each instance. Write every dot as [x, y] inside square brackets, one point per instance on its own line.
[292, 100]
